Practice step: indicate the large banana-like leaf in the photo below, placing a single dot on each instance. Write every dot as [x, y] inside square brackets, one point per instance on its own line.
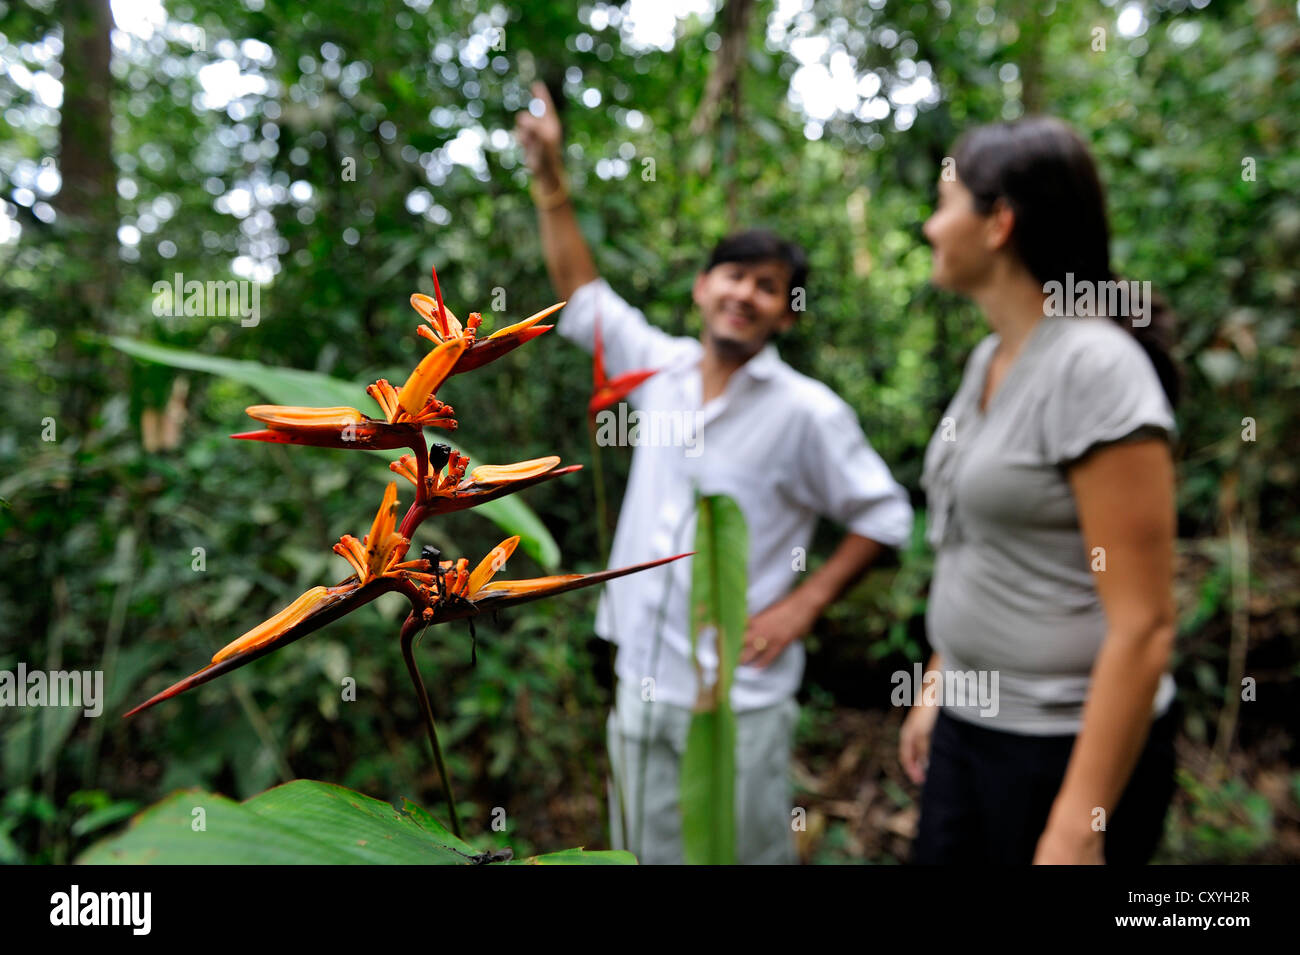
[718, 603]
[301, 822]
[293, 386]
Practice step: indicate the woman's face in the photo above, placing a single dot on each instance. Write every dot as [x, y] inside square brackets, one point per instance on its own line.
[959, 238]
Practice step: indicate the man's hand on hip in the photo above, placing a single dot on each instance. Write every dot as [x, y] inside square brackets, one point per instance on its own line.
[771, 631]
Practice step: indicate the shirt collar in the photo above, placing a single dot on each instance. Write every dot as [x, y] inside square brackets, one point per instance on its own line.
[761, 367]
[764, 364]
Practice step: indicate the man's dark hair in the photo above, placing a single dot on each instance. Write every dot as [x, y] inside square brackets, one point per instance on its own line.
[762, 245]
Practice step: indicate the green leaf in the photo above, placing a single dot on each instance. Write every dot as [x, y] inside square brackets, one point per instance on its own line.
[718, 604]
[99, 818]
[580, 857]
[34, 739]
[293, 386]
[709, 788]
[302, 822]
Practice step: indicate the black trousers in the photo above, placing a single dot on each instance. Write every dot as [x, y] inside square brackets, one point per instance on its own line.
[988, 793]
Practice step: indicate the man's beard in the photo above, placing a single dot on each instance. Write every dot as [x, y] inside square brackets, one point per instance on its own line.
[733, 349]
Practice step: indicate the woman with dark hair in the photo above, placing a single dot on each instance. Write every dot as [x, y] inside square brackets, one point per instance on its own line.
[1051, 497]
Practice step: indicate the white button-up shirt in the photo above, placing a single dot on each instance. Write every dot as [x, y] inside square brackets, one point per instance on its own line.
[783, 445]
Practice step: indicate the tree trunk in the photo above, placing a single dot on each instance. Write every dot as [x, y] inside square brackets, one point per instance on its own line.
[86, 203]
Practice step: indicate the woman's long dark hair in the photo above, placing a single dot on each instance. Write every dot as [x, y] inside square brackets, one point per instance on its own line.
[1042, 169]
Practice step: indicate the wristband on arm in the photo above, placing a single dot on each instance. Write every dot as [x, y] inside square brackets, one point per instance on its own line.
[548, 199]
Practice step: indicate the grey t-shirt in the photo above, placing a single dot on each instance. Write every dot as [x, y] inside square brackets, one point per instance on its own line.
[1013, 607]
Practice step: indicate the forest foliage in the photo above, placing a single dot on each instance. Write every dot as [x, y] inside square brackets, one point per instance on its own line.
[335, 157]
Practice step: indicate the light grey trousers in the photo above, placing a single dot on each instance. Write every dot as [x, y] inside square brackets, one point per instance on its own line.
[646, 743]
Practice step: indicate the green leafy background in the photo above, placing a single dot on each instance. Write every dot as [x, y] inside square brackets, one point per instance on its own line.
[299, 823]
[98, 533]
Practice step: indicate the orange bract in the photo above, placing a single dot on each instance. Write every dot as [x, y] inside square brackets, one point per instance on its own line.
[383, 548]
[291, 417]
[452, 491]
[265, 632]
[478, 351]
[429, 374]
[489, 565]
[495, 473]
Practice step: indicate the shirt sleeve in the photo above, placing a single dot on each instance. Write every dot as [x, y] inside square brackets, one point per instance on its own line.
[844, 479]
[1108, 393]
[630, 342]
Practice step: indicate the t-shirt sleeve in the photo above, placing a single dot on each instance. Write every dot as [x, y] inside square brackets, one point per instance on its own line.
[1108, 393]
[630, 342]
[844, 479]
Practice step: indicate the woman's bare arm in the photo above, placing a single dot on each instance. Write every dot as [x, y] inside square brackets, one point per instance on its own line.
[1125, 500]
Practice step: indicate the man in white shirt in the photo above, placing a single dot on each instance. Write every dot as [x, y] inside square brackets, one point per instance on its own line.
[732, 418]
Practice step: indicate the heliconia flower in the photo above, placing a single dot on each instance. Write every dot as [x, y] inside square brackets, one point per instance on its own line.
[430, 373]
[453, 582]
[610, 391]
[313, 610]
[405, 412]
[494, 595]
[310, 603]
[453, 491]
[435, 414]
[452, 593]
[328, 428]
[443, 326]
[379, 568]
[382, 550]
[437, 590]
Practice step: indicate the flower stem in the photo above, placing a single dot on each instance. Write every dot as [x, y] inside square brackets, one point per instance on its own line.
[602, 517]
[602, 532]
[414, 518]
[409, 630]
[422, 468]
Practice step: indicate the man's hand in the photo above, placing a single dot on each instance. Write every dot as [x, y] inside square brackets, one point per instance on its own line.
[770, 632]
[568, 260]
[542, 138]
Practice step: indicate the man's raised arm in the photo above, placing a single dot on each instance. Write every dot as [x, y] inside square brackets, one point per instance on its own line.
[568, 260]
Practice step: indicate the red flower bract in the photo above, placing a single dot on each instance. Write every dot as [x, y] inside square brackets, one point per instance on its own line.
[610, 391]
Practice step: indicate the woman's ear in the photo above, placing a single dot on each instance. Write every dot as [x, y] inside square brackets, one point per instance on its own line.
[1001, 222]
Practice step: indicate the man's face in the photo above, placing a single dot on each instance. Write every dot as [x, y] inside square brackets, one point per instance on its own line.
[744, 304]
